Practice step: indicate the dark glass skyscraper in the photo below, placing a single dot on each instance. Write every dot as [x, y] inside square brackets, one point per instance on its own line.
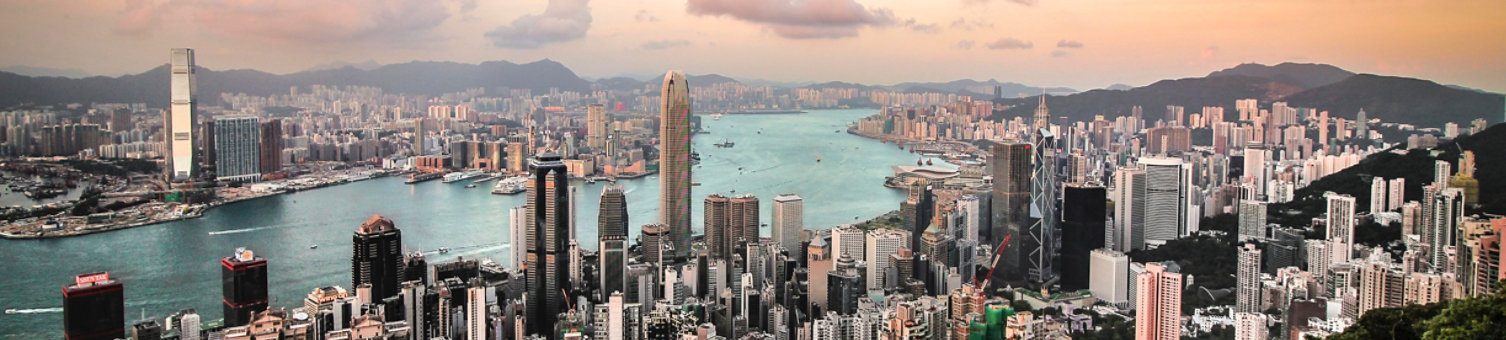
[94, 308]
[548, 221]
[1084, 212]
[377, 257]
[1010, 165]
[271, 146]
[245, 286]
[611, 228]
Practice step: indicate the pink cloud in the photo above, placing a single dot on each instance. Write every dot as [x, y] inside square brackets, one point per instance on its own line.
[562, 20]
[302, 21]
[798, 19]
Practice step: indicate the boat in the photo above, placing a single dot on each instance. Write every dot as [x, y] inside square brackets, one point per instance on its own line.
[461, 176]
[443, 250]
[423, 176]
[510, 185]
[590, 180]
[918, 162]
[725, 144]
[716, 116]
[313, 246]
[472, 185]
[928, 162]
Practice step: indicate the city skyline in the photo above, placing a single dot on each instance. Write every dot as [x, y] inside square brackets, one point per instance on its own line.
[1072, 44]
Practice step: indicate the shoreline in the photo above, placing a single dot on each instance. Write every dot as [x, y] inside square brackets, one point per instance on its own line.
[195, 212]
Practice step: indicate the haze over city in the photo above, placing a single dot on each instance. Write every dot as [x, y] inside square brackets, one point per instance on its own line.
[1077, 44]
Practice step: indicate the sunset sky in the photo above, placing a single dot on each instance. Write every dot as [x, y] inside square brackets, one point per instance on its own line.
[1081, 44]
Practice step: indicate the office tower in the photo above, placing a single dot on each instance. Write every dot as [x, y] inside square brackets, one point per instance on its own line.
[1109, 276]
[146, 330]
[1248, 285]
[916, 213]
[182, 118]
[517, 226]
[94, 308]
[730, 224]
[475, 311]
[1158, 304]
[674, 159]
[596, 127]
[120, 120]
[245, 277]
[1442, 210]
[237, 153]
[1041, 241]
[1255, 170]
[1168, 140]
[612, 229]
[844, 285]
[1340, 227]
[1252, 220]
[616, 327]
[271, 146]
[1129, 209]
[654, 242]
[1168, 194]
[376, 257]
[1361, 125]
[847, 240]
[1084, 209]
[789, 221]
[1396, 192]
[1010, 166]
[186, 322]
[970, 208]
[548, 219]
[880, 244]
[819, 262]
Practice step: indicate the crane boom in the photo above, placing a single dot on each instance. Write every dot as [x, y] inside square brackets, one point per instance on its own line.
[995, 264]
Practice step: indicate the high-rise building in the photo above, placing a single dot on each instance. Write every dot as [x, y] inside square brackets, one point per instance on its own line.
[182, 118]
[1042, 238]
[1396, 193]
[1250, 326]
[1340, 227]
[1252, 219]
[881, 244]
[94, 308]
[237, 149]
[654, 242]
[1377, 194]
[916, 214]
[377, 257]
[818, 262]
[1158, 304]
[847, 240]
[789, 221]
[475, 311]
[1168, 193]
[1084, 214]
[612, 229]
[1129, 209]
[271, 146]
[729, 222]
[1442, 170]
[120, 120]
[674, 159]
[597, 127]
[1361, 125]
[517, 231]
[245, 286]
[1109, 271]
[1010, 166]
[970, 207]
[1442, 210]
[1248, 287]
[548, 219]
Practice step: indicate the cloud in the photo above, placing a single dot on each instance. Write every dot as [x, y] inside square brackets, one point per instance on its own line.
[562, 20]
[644, 16]
[964, 45]
[808, 19]
[1059, 53]
[1069, 44]
[969, 25]
[1010, 44]
[665, 44]
[1208, 52]
[926, 28]
[302, 22]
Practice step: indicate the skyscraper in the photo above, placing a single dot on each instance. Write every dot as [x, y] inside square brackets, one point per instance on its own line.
[549, 231]
[596, 127]
[1010, 166]
[1042, 239]
[880, 244]
[237, 149]
[1248, 285]
[1167, 199]
[674, 159]
[916, 212]
[1083, 219]
[611, 229]
[1340, 227]
[245, 286]
[182, 118]
[1109, 271]
[730, 223]
[789, 221]
[1158, 304]
[94, 308]
[972, 211]
[1129, 209]
[271, 146]
[377, 257]
[1252, 219]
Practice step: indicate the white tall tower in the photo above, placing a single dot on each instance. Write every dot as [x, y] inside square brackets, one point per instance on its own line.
[182, 118]
[789, 220]
[1340, 227]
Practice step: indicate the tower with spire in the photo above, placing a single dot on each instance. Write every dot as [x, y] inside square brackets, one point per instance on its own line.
[1042, 115]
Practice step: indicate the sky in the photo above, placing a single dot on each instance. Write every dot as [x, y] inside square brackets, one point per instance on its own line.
[1082, 44]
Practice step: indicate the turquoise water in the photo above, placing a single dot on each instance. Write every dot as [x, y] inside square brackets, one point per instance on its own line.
[172, 266]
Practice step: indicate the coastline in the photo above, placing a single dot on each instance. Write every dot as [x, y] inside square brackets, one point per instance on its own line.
[193, 211]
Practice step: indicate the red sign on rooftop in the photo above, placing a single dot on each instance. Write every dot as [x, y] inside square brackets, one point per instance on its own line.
[91, 278]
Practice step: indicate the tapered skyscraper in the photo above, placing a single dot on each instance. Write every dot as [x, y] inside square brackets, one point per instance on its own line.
[181, 122]
[674, 159]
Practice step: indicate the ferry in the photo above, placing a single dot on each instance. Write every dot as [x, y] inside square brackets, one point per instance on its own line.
[461, 176]
[422, 176]
[716, 116]
[510, 185]
[725, 144]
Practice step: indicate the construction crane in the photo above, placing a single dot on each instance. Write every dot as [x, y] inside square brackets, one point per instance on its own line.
[995, 264]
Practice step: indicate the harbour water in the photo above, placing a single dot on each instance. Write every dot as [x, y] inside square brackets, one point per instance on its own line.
[171, 266]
